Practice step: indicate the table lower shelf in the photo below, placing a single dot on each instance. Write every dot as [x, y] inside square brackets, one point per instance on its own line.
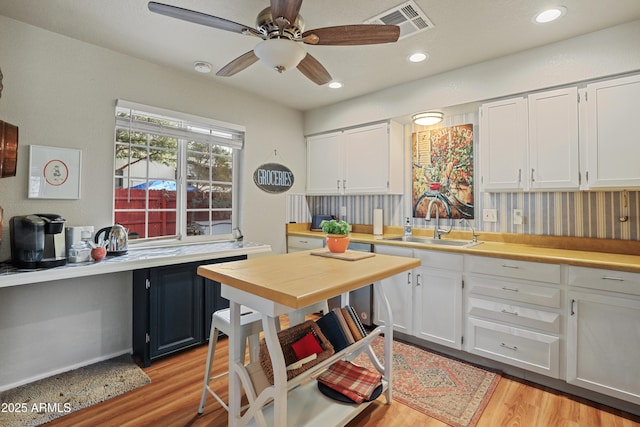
[307, 406]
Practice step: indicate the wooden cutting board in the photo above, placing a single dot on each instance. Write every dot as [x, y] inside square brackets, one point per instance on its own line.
[347, 255]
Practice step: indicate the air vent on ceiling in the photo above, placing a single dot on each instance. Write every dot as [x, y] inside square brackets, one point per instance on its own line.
[408, 16]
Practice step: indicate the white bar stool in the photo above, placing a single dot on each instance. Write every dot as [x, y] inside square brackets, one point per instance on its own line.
[250, 328]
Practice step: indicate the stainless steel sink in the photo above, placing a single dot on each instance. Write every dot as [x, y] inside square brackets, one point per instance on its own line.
[437, 242]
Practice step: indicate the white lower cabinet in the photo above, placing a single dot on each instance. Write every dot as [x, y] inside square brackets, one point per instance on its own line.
[603, 336]
[426, 302]
[514, 313]
[299, 243]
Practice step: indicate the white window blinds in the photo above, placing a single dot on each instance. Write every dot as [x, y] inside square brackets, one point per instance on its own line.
[147, 119]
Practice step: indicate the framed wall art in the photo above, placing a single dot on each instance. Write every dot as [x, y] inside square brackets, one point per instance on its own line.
[54, 173]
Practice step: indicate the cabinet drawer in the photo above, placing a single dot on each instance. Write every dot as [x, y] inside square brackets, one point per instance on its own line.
[442, 260]
[605, 280]
[517, 315]
[515, 291]
[532, 351]
[301, 243]
[516, 269]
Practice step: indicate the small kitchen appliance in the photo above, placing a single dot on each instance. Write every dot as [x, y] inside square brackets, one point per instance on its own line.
[316, 220]
[77, 239]
[116, 237]
[37, 241]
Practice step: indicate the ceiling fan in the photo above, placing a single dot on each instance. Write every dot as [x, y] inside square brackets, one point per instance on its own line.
[281, 29]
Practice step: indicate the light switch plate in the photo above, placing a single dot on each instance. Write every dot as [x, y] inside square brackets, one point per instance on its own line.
[489, 215]
[518, 219]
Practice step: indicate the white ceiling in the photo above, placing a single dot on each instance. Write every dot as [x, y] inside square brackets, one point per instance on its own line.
[465, 32]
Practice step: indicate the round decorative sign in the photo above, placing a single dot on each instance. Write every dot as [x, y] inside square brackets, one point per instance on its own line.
[273, 178]
[56, 172]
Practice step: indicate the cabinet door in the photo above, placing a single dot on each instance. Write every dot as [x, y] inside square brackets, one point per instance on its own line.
[603, 343]
[399, 292]
[325, 164]
[438, 311]
[367, 159]
[553, 140]
[503, 145]
[612, 141]
[176, 308]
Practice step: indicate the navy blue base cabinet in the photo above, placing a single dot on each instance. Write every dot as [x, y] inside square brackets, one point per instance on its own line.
[172, 308]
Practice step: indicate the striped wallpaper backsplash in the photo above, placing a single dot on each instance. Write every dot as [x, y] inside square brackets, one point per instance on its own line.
[574, 214]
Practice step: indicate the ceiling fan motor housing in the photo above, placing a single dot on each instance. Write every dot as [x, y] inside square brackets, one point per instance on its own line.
[268, 25]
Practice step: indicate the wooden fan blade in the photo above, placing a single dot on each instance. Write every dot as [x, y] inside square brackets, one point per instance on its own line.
[288, 9]
[201, 18]
[353, 35]
[238, 64]
[313, 70]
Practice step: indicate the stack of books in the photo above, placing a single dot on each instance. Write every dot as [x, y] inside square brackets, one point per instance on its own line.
[342, 327]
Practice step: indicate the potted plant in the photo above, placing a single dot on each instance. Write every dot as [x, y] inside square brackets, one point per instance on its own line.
[337, 235]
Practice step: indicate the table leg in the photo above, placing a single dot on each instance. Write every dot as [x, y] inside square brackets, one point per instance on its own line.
[388, 339]
[269, 325]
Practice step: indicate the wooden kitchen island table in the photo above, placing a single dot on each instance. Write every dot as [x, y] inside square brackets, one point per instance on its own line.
[277, 285]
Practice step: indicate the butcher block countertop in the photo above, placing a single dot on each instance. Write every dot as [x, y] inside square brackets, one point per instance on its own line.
[622, 255]
[300, 279]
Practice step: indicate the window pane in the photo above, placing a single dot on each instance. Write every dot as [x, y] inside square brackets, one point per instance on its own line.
[162, 224]
[132, 221]
[149, 153]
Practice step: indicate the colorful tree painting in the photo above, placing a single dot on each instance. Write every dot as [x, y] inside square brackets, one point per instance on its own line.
[443, 169]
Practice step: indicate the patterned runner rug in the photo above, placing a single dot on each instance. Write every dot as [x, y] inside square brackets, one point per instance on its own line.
[50, 398]
[451, 391]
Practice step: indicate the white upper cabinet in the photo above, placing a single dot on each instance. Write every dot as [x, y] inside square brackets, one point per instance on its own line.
[325, 163]
[612, 144]
[503, 143]
[531, 143]
[554, 161]
[362, 160]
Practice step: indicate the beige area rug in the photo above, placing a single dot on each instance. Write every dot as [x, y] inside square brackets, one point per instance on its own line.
[44, 400]
[451, 391]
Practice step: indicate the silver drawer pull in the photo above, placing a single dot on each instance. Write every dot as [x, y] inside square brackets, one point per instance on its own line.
[513, 313]
[617, 279]
[504, 288]
[510, 266]
[304, 241]
[503, 345]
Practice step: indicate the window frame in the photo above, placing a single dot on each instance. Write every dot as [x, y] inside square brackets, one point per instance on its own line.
[184, 135]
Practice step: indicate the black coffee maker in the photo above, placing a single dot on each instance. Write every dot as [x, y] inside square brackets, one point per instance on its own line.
[37, 241]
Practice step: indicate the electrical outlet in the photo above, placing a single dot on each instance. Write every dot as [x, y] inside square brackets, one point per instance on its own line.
[518, 219]
[343, 212]
[489, 215]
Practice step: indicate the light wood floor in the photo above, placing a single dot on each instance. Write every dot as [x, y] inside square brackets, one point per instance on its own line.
[173, 397]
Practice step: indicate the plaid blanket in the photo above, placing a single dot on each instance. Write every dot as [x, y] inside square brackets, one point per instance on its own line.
[353, 381]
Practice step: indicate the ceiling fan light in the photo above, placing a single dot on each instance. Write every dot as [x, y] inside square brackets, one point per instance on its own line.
[427, 118]
[280, 54]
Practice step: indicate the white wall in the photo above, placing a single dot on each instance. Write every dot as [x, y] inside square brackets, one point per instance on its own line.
[602, 53]
[61, 92]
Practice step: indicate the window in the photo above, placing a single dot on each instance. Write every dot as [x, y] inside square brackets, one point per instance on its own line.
[175, 174]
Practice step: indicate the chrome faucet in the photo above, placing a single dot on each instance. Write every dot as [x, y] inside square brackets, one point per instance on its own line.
[437, 231]
[473, 230]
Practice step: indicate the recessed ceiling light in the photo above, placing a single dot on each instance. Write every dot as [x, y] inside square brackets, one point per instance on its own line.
[550, 15]
[202, 67]
[417, 57]
[335, 85]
